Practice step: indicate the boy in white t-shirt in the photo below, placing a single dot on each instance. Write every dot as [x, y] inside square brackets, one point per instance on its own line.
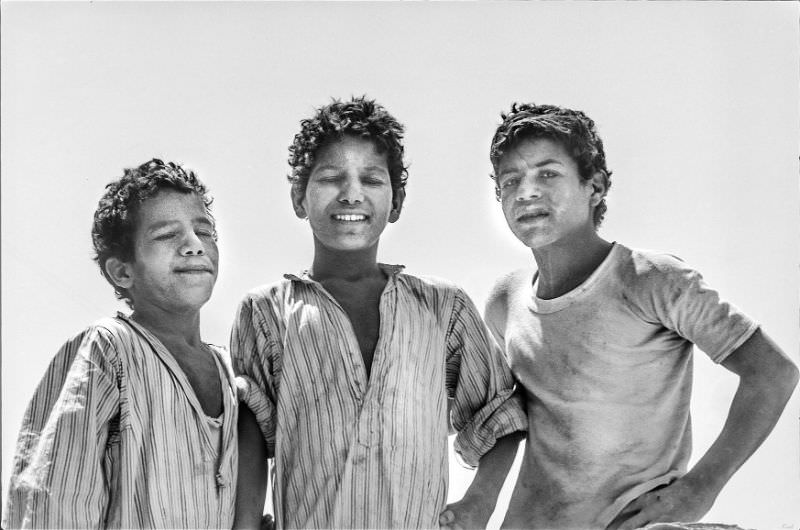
[601, 336]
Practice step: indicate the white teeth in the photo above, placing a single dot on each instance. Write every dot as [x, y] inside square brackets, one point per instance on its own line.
[350, 217]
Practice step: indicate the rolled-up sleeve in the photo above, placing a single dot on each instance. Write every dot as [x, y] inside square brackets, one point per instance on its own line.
[59, 479]
[253, 353]
[484, 405]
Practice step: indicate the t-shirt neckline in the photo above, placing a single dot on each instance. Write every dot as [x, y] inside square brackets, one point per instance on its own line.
[540, 305]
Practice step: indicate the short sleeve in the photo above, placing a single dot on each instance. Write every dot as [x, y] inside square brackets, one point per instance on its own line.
[484, 403]
[254, 353]
[678, 297]
[58, 477]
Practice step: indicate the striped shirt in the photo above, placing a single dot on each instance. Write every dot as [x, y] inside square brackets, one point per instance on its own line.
[352, 452]
[115, 437]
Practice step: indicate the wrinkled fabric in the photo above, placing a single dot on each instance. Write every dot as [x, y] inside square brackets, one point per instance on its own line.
[352, 452]
[607, 371]
[114, 437]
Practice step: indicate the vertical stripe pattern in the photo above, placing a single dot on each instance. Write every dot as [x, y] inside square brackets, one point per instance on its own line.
[356, 453]
[115, 437]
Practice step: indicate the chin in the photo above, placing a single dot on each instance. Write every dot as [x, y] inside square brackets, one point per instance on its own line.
[349, 245]
[194, 301]
[534, 240]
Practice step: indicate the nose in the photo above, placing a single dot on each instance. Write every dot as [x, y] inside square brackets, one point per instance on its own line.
[528, 188]
[192, 245]
[352, 192]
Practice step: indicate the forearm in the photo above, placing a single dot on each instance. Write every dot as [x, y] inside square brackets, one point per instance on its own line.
[493, 469]
[253, 477]
[757, 405]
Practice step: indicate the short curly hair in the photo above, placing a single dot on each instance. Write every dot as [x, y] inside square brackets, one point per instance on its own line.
[114, 226]
[360, 117]
[571, 128]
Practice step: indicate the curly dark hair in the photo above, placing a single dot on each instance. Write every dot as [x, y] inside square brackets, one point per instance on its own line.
[358, 117]
[571, 128]
[114, 226]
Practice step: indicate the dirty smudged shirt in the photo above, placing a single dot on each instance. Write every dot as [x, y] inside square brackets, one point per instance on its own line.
[607, 371]
[353, 453]
[115, 437]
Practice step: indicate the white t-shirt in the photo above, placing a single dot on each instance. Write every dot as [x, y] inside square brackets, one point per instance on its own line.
[607, 370]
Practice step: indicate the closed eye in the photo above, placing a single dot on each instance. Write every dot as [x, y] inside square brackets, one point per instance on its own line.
[509, 182]
[373, 181]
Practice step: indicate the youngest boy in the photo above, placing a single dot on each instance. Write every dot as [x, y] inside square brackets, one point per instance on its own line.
[134, 423]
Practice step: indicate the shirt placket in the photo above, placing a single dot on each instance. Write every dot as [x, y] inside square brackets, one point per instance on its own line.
[369, 423]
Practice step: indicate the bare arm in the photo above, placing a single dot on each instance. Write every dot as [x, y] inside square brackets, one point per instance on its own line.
[251, 486]
[766, 380]
[478, 503]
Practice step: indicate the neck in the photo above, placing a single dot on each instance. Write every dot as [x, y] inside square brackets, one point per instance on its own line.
[169, 327]
[348, 265]
[567, 263]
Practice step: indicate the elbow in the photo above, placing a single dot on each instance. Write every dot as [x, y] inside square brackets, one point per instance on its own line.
[792, 376]
[783, 379]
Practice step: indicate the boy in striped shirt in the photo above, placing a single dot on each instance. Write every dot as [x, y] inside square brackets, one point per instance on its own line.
[133, 424]
[356, 370]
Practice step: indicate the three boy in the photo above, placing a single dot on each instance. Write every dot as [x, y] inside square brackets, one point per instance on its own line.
[355, 370]
[134, 423]
[600, 337]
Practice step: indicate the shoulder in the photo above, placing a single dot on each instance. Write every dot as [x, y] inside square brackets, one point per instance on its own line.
[427, 283]
[436, 296]
[642, 268]
[100, 343]
[267, 299]
[107, 333]
[652, 281]
[503, 290]
[268, 292]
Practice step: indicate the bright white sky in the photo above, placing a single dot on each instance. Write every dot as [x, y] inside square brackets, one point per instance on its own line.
[697, 103]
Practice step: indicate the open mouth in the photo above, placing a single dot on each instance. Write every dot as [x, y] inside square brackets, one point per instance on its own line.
[532, 216]
[349, 217]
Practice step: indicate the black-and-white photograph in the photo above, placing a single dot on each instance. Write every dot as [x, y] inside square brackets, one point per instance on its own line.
[400, 265]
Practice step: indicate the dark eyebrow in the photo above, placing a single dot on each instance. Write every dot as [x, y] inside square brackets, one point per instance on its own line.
[162, 224]
[377, 168]
[159, 225]
[549, 161]
[507, 171]
[326, 166]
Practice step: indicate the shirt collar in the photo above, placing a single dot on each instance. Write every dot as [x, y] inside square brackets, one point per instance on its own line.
[305, 276]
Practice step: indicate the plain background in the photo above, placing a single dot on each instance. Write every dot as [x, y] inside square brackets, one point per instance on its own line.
[697, 104]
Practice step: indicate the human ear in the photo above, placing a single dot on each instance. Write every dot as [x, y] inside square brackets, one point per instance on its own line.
[297, 201]
[398, 197]
[599, 184]
[119, 272]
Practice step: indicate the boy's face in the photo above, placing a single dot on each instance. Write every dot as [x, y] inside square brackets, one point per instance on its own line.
[348, 199]
[175, 253]
[542, 194]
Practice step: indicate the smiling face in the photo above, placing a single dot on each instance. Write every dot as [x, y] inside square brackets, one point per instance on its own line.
[543, 196]
[175, 254]
[348, 199]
